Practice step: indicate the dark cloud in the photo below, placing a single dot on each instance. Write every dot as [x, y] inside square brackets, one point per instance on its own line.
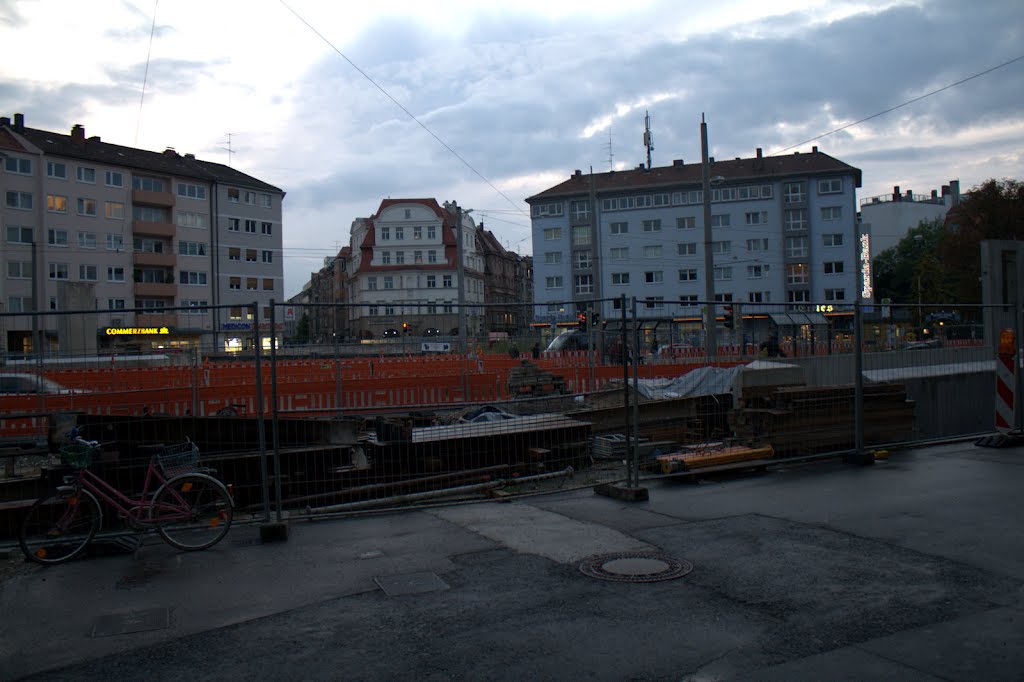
[52, 108]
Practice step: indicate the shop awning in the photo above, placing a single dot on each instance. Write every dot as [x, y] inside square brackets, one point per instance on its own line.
[798, 319]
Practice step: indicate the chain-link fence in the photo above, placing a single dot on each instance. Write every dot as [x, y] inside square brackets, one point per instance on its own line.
[320, 409]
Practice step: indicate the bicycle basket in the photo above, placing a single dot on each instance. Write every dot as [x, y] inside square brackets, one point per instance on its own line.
[77, 455]
[178, 459]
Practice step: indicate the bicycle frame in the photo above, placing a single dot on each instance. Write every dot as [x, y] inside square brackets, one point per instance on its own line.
[134, 508]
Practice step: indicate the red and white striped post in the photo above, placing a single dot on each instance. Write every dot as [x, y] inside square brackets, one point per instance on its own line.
[1006, 381]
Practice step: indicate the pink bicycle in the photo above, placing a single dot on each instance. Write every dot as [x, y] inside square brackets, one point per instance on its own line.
[190, 509]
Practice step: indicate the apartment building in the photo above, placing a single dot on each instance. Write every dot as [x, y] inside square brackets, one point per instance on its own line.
[131, 235]
[783, 233]
[888, 217]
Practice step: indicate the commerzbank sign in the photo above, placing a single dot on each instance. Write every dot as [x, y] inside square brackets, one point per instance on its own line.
[137, 331]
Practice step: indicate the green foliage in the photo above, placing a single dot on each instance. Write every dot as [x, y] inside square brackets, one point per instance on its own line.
[896, 270]
[302, 329]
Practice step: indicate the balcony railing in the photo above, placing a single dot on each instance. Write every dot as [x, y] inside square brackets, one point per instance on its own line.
[165, 260]
[153, 229]
[156, 319]
[150, 198]
[156, 289]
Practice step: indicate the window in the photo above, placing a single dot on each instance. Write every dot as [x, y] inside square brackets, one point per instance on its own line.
[19, 200]
[265, 200]
[431, 256]
[150, 214]
[268, 284]
[190, 219]
[584, 284]
[191, 248]
[57, 237]
[754, 245]
[236, 313]
[87, 240]
[723, 298]
[687, 249]
[756, 217]
[688, 299]
[19, 235]
[57, 170]
[830, 186]
[87, 273]
[796, 247]
[191, 191]
[198, 307]
[87, 207]
[56, 203]
[233, 195]
[17, 269]
[371, 283]
[115, 242]
[114, 179]
[552, 257]
[447, 282]
[688, 275]
[553, 282]
[252, 284]
[148, 184]
[113, 209]
[835, 294]
[831, 212]
[153, 276]
[581, 260]
[431, 231]
[832, 239]
[619, 228]
[431, 281]
[150, 304]
[234, 224]
[267, 256]
[250, 198]
[795, 219]
[755, 271]
[385, 257]
[798, 296]
[250, 256]
[234, 253]
[543, 210]
[417, 232]
[721, 220]
[115, 273]
[580, 209]
[686, 223]
[13, 164]
[581, 235]
[266, 228]
[115, 304]
[797, 273]
[385, 234]
[400, 257]
[86, 174]
[793, 193]
[654, 303]
[399, 233]
[723, 274]
[235, 283]
[552, 233]
[652, 225]
[833, 267]
[389, 282]
[620, 253]
[250, 226]
[620, 278]
[721, 248]
[652, 251]
[654, 277]
[192, 278]
[760, 297]
[389, 310]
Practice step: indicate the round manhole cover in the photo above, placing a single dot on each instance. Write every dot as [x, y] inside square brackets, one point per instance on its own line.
[635, 567]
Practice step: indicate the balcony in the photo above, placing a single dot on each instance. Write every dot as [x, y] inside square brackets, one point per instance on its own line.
[153, 229]
[156, 319]
[163, 260]
[156, 290]
[145, 196]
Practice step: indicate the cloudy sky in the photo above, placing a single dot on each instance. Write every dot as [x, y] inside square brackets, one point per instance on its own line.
[510, 98]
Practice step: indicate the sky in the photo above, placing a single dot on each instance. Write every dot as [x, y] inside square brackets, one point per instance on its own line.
[343, 105]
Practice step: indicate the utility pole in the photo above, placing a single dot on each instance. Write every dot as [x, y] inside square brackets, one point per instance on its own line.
[463, 338]
[710, 332]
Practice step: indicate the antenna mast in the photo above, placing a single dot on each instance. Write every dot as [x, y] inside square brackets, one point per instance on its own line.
[230, 151]
[611, 166]
[648, 137]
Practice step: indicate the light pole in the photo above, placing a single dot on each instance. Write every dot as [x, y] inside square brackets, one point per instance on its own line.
[711, 331]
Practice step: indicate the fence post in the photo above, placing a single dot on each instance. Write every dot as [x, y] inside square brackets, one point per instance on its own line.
[635, 452]
[625, 374]
[260, 426]
[274, 412]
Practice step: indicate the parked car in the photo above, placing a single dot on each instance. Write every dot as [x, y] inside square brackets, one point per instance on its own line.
[14, 383]
[930, 343]
[391, 333]
[431, 331]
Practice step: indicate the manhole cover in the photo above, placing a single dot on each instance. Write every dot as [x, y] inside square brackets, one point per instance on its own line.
[635, 567]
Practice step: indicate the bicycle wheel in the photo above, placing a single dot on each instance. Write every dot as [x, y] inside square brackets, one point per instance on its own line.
[59, 526]
[192, 511]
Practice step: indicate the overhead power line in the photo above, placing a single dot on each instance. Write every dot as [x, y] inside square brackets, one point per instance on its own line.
[408, 113]
[899, 106]
[145, 74]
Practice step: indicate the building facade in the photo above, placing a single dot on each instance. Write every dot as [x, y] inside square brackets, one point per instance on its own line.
[888, 217]
[783, 233]
[164, 250]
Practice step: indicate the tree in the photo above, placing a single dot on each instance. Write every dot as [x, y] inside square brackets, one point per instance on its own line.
[302, 329]
[900, 270]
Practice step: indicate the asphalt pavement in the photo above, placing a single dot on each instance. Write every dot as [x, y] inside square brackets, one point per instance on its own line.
[910, 569]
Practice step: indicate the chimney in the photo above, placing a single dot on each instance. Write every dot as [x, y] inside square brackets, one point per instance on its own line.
[4, 121]
[711, 160]
[759, 152]
[945, 190]
[910, 195]
[19, 122]
[814, 149]
[94, 138]
[192, 157]
[954, 189]
[170, 151]
[677, 162]
[935, 194]
[78, 134]
[896, 193]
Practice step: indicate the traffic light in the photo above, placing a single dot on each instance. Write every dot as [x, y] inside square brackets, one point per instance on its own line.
[405, 327]
[581, 319]
[728, 317]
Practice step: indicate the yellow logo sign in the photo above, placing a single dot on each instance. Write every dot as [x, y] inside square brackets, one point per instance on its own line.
[137, 331]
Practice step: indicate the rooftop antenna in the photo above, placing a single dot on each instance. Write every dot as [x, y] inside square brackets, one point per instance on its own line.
[648, 137]
[611, 156]
[230, 151]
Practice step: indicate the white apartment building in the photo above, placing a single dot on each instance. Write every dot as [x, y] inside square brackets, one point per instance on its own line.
[128, 235]
[783, 233]
[888, 217]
